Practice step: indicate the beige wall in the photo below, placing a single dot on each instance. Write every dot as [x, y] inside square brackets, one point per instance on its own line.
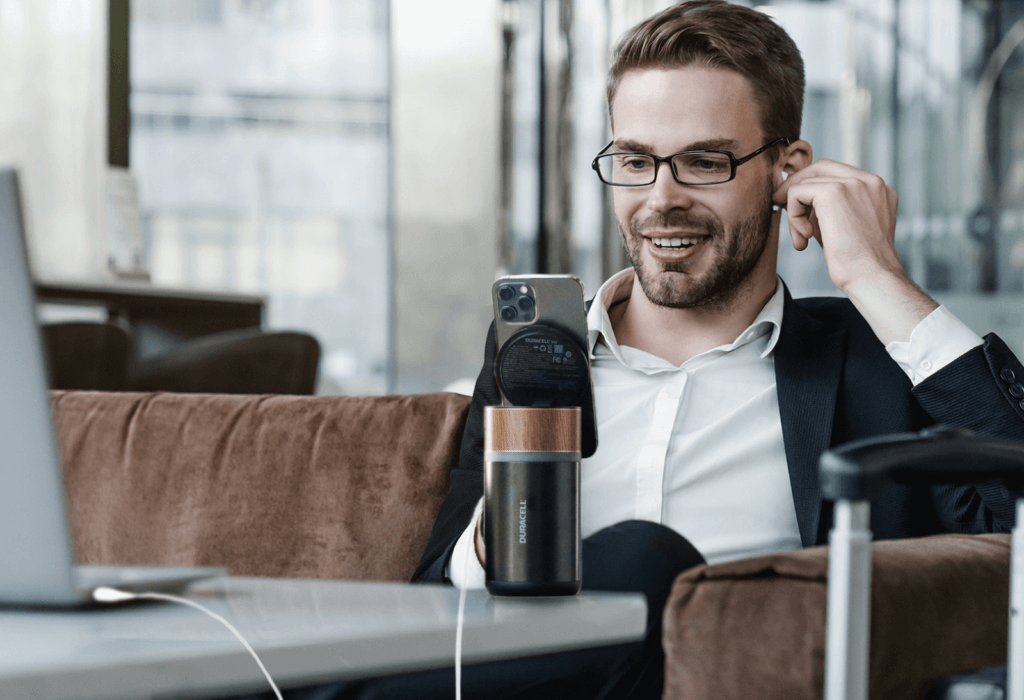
[445, 118]
[53, 127]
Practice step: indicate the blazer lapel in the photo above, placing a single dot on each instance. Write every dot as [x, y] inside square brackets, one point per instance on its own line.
[808, 363]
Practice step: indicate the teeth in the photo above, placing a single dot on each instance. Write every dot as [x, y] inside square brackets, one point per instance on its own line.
[676, 242]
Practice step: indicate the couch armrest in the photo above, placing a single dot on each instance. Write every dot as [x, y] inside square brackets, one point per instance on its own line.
[756, 627]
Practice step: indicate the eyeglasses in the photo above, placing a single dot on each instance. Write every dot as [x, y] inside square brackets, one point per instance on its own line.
[688, 167]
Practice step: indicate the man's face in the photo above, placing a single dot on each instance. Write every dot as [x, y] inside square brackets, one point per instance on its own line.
[695, 108]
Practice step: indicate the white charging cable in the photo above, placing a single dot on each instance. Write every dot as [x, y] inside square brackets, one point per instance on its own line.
[462, 601]
[105, 594]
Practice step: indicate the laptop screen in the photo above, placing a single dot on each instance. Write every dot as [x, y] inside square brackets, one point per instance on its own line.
[35, 549]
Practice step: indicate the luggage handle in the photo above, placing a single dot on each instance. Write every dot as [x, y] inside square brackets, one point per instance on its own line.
[858, 470]
[854, 474]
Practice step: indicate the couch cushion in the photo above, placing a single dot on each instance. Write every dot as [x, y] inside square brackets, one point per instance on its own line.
[756, 627]
[284, 486]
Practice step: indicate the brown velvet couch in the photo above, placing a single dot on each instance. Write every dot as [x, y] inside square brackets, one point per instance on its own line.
[348, 488]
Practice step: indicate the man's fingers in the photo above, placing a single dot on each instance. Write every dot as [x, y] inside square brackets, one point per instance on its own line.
[800, 203]
[826, 171]
[807, 187]
[857, 192]
[801, 197]
[812, 218]
[799, 242]
[825, 168]
[779, 195]
[803, 223]
[801, 229]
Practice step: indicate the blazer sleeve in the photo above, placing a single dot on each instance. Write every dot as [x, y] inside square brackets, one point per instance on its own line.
[982, 390]
[467, 480]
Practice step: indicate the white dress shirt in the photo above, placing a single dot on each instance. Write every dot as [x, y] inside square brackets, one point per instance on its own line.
[698, 447]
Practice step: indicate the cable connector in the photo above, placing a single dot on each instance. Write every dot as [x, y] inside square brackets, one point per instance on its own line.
[106, 594]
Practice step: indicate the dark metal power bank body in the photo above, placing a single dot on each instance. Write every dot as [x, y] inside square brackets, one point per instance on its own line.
[531, 496]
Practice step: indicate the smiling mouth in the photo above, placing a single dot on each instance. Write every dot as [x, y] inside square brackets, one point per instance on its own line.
[678, 243]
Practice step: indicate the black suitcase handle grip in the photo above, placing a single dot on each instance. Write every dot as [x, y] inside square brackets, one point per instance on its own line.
[858, 470]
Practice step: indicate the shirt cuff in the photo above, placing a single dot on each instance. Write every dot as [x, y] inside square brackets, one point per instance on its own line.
[934, 343]
[475, 577]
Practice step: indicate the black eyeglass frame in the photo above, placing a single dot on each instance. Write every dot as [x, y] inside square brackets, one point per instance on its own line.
[734, 163]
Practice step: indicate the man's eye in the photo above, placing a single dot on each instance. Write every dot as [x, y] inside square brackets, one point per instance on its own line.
[637, 163]
[710, 165]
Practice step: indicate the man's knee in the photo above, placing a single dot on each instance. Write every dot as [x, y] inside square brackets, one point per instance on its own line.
[637, 555]
[637, 545]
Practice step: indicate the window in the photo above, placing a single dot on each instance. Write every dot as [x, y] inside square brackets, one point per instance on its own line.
[260, 139]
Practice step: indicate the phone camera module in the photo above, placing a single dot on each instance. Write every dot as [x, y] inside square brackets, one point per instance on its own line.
[506, 293]
[508, 313]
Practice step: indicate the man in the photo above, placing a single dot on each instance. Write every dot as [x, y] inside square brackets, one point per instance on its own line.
[716, 391]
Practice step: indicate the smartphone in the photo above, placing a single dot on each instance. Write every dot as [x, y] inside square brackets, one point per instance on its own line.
[555, 301]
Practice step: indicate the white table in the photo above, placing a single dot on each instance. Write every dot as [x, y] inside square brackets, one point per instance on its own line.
[304, 631]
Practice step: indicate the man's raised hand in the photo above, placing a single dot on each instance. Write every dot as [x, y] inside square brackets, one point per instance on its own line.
[852, 215]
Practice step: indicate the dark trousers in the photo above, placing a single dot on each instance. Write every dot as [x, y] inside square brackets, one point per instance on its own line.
[630, 556]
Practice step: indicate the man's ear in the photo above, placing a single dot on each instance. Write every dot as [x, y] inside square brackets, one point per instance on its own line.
[794, 158]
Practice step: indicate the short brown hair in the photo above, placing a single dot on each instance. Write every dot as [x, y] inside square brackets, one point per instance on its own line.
[717, 34]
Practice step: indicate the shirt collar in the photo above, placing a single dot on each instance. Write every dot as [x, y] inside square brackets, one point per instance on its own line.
[619, 286]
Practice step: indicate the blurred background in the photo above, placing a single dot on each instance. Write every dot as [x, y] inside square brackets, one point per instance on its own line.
[359, 171]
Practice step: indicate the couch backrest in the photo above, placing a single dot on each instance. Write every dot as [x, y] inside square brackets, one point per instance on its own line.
[283, 486]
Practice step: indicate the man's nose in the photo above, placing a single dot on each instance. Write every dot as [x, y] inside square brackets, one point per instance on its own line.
[666, 193]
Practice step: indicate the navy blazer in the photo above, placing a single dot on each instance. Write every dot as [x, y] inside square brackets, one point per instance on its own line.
[836, 383]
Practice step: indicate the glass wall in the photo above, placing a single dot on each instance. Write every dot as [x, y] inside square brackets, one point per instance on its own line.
[445, 107]
[927, 94]
[555, 211]
[261, 143]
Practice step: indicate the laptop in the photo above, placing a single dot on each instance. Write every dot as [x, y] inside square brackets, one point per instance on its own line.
[36, 553]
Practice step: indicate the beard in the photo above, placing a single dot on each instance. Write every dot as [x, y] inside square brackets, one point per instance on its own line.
[733, 255]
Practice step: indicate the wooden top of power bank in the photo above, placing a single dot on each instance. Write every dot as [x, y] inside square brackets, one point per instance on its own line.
[532, 429]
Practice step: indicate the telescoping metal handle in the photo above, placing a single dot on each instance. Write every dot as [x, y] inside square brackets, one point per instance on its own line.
[854, 474]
